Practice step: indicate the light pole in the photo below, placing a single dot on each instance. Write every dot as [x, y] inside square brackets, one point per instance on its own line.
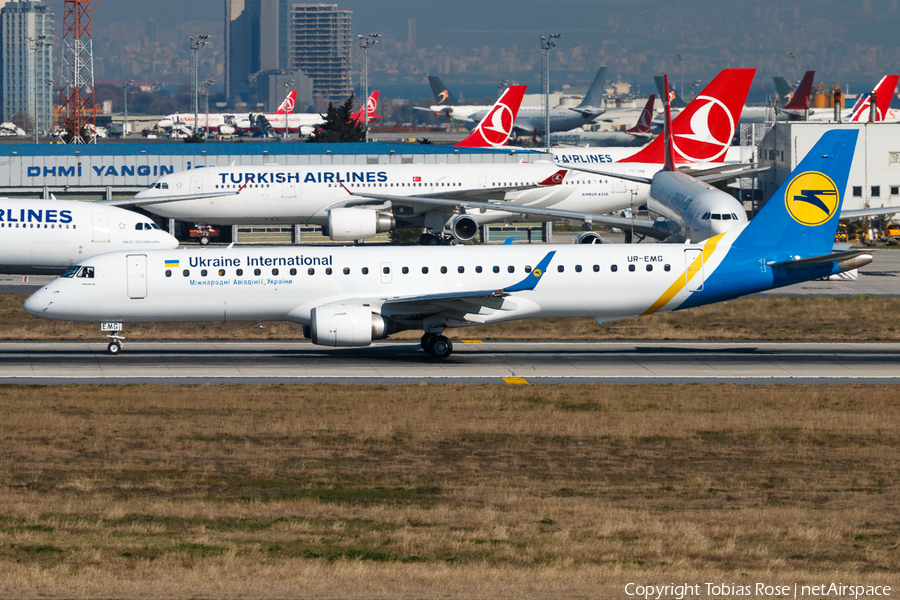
[793, 56]
[287, 115]
[36, 44]
[196, 44]
[547, 43]
[680, 58]
[125, 87]
[206, 86]
[365, 42]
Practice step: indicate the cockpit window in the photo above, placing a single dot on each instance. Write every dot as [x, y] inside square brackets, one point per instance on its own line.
[726, 217]
[705, 217]
[86, 272]
[160, 186]
[717, 217]
[70, 272]
[139, 226]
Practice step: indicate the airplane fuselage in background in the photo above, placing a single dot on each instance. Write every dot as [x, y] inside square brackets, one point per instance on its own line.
[48, 236]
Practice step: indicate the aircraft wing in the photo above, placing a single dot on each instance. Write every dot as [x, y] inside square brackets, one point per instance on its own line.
[654, 229]
[869, 212]
[708, 175]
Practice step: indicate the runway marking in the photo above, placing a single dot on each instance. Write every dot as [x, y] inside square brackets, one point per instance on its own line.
[515, 380]
[471, 341]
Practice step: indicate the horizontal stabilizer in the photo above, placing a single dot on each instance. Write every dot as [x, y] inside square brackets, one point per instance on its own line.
[859, 258]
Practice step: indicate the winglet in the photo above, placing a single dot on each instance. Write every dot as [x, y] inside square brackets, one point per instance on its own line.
[508, 241]
[531, 280]
[555, 179]
[669, 163]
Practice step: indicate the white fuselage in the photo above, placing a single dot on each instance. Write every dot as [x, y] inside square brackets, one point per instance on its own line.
[702, 210]
[283, 194]
[47, 236]
[274, 284]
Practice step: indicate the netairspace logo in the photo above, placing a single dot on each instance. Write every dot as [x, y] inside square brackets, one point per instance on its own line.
[759, 590]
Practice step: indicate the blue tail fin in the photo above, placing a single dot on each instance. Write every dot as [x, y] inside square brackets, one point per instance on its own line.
[800, 219]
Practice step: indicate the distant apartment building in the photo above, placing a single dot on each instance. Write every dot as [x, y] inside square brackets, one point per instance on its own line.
[319, 44]
[26, 77]
[263, 36]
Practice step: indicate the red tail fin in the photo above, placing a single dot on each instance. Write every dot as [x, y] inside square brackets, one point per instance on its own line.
[287, 107]
[497, 125]
[884, 93]
[800, 99]
[371, 106]
[702, 132]
[643, 124]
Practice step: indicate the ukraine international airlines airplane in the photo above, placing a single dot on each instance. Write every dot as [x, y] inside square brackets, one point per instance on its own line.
[350, 296]
[49, 236]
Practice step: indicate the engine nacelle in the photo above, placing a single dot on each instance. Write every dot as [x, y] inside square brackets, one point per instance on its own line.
[345, 325]
[464, 227]
[226, 129]
[349, 224]
[589, 237]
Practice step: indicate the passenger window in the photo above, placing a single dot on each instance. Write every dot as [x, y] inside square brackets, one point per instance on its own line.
[511, 269]
[596, 268]
[365, 270]
[631, 268]
[221, 272]
[203, 273]
[346, 270]
[443, 270]
[424, 270]
[168, 272]
[667, 268]
[528, 268]
[496, 269]
[328, 271]
[614, 268]
[560, 268]
[461, 269]
[578, 268]
[405, 270]
[186, 273]
[309, 271]
[293, 271]
[478, 269]
[649, 268]
[239, 272]
[258, 272]
[274, 271]
[386, 270]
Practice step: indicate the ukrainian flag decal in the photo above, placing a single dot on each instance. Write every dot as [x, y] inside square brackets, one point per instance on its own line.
[812, 198]
[171, 264]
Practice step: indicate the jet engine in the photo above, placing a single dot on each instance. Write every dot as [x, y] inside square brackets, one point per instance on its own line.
[348, 224]
[464, 227]
[589, 237]
[345, 325]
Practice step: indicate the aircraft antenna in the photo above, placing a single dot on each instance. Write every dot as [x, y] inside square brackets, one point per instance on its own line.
[77, 94]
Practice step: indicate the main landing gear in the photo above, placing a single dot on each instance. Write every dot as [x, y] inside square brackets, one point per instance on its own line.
[437, 345]
[430, 239]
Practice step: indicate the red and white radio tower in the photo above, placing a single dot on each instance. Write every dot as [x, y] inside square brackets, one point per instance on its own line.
[77, 93]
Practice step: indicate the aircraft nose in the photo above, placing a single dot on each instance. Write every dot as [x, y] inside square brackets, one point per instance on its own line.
[38, 304]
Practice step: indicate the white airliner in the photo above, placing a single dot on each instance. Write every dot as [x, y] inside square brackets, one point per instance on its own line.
[49, 236]
[883, 92]
[358, 202]
[638, 135]
[350, 296]
[233, 122]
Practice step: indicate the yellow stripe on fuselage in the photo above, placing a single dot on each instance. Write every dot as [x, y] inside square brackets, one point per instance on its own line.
[689, 273]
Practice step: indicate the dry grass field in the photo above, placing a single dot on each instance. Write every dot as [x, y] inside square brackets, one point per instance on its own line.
[799, 319]
[443, 491]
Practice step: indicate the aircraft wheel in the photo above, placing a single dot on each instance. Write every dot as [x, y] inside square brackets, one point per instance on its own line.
[440, 347]
[426, 340]
[114, 347]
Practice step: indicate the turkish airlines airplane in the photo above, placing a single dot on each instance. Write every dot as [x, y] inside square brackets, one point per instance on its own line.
[227, 122]
[638, 135]
[49, 236]
[350, 296]
[883, 92]
[359, 202]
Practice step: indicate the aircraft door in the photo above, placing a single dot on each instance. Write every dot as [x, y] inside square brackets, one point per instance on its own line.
[693, 269]
[289, 190]
[618, 185]
[100, 222]
[196, 184]
[386, 272]
[137, 275]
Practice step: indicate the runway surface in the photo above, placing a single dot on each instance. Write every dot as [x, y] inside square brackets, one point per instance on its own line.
[496, 362]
